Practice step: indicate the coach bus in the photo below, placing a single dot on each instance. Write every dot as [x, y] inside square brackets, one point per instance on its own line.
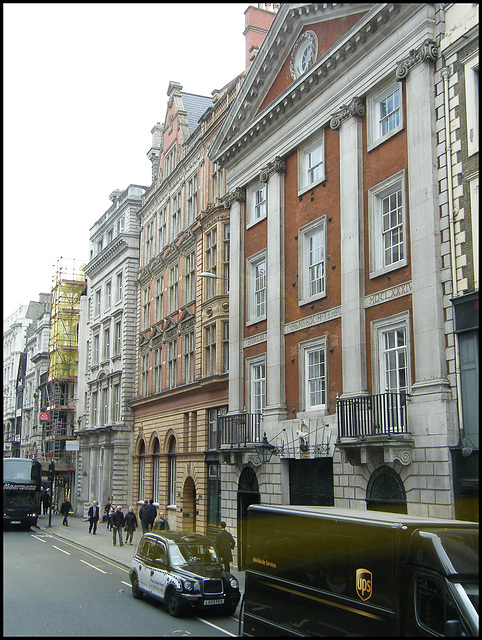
[22, 481]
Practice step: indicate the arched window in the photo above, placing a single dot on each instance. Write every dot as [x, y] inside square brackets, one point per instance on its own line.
[172, 456]
[142, 469]
[385, 491]
[155, 471]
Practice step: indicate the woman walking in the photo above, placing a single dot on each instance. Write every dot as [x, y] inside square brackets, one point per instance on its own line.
[130, 524]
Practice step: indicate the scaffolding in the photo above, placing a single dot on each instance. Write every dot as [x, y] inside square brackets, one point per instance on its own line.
[69, 284]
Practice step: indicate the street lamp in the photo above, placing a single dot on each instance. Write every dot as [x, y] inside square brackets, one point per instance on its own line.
[265, 450]
[207, 274]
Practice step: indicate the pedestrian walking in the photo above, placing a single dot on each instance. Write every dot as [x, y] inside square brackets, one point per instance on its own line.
[153, 514]
[65, 509]
[45, 500]
[109, 511]
[224, 542]
[93, 515]
[117, 524]
[161, 523]
[130, 524]
[145, 516]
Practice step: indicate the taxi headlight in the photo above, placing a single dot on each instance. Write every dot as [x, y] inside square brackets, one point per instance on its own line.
[188, 585]
[234, 583]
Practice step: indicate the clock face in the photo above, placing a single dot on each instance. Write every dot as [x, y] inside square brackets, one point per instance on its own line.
[304, 54]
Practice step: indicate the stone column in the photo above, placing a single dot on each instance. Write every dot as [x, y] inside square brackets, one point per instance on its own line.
[425, 242]
[236, 300]
[354, 367]
[275, 409]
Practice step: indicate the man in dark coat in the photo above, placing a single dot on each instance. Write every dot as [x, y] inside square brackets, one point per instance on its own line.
[161, 523]
[117, 524]
[65, 508]
[145, 516]
[224, 542]
[153, 512]
[93, 515]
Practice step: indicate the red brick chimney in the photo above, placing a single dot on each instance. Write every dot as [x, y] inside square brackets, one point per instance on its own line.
[258, 21]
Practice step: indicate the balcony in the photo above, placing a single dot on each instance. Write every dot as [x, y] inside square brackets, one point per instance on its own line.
[369, 425]
[238, 431]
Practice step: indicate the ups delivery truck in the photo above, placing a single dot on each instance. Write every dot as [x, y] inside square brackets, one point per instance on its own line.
[325, 571]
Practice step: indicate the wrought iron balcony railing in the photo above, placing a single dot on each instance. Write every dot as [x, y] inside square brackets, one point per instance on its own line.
[238, 430]
[384, 414]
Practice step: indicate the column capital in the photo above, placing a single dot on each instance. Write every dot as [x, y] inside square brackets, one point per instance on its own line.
[428, 51]
[238, 194]
[277, 166]
[355, 108]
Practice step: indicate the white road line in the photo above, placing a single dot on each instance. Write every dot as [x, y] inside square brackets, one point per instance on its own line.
[91, 565]
[96, 556]
[126, 583]
[59, 549]
[40, 539]
[216, 627]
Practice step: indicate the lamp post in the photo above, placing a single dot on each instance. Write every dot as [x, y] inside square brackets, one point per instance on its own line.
[265, 450]
[207, 274]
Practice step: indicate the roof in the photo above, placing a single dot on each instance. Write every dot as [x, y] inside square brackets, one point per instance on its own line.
[195, 107]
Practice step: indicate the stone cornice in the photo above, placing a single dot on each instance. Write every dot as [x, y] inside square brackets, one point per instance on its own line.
[106, 256]
[239, 195]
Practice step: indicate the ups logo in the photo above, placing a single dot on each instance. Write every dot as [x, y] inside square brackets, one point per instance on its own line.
[364, 583]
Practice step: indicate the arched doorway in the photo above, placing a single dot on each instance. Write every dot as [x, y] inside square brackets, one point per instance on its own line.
[385, 491]
[189, 505]
[248, 493]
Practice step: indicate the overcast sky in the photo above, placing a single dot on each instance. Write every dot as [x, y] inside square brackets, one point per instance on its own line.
[84, 84]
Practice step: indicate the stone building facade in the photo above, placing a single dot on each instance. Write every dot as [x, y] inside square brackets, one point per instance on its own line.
[339, 349]
[457, 105]
[107, 354]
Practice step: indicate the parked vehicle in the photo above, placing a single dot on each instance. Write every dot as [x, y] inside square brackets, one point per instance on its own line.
[22, 482]
[183, 571]
[324, 571]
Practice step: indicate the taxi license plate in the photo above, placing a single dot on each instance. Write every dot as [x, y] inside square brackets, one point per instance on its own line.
[220, 601]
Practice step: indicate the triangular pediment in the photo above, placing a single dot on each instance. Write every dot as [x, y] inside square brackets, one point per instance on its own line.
[170, 324]
[270, 93]
[186, 315]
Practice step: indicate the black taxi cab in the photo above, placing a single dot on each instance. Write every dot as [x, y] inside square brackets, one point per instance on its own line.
[183, 571]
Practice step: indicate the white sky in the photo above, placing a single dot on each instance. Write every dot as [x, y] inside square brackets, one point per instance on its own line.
[84, 83]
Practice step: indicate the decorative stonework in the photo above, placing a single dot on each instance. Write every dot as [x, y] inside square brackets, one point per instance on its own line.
[239, 194]
[305, 38]
[277, 166]
[355, 108]
[428, 51]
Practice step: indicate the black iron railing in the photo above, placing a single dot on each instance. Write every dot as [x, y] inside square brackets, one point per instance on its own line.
[382, 414]
[239, 429]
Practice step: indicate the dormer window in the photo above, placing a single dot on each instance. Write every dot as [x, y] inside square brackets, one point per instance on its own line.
[304, 54]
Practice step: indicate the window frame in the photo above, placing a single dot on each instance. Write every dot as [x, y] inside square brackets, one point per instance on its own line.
[373, 102]
[252, 264]
[376, 194]
[304, 152]
[252, 204]
[471, 72]
[304, 267]
[378, 329]
[251, 365]
[304, 349]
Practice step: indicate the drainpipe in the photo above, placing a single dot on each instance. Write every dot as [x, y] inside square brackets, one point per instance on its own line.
[448, 153]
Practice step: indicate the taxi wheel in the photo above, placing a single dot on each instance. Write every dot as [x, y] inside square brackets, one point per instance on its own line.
[136, 592]
[173, 605]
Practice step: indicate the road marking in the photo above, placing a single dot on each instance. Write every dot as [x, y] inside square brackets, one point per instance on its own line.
[126, 583]
[59, 549]
[216, 627]
[40, 539]
[95, 555]
[91, 565]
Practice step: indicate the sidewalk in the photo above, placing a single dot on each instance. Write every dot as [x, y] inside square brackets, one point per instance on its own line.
[78, 533]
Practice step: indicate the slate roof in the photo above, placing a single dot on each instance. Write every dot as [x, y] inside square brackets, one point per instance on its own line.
[195, 107]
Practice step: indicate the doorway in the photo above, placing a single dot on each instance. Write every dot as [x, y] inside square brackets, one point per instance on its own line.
[189, 506]
[248, 493]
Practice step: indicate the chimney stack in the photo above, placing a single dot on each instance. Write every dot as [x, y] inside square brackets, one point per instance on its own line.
[258, 20]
